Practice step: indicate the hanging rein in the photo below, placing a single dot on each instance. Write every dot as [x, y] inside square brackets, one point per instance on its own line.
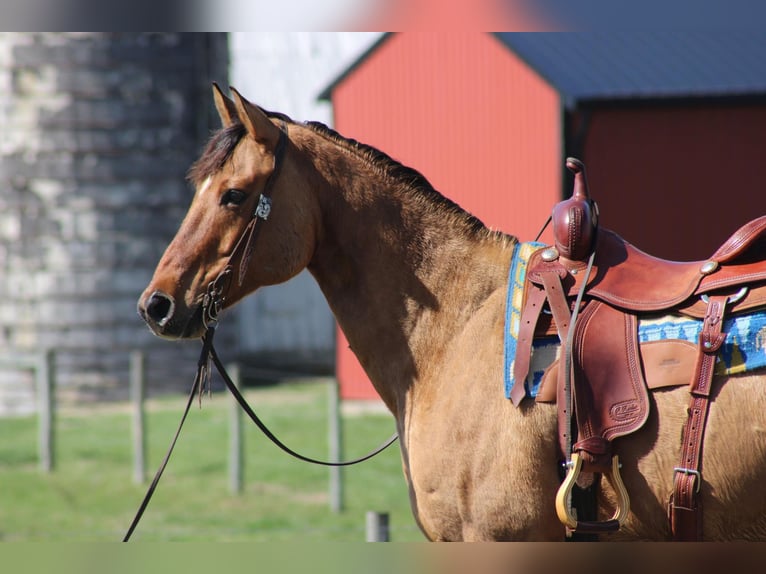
[212, 305]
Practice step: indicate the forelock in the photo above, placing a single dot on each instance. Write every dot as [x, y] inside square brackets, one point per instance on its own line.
[217, 152]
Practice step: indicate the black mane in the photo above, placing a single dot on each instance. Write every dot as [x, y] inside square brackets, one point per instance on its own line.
[410, 177]
[222, 144]
[220, 147]
[217, 151]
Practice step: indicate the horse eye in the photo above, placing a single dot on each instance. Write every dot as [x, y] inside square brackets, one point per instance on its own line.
[233, 197]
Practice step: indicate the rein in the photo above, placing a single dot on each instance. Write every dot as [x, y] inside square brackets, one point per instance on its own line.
[212, 305]
[264, 429]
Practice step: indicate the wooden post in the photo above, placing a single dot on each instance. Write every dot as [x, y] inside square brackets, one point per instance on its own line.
[377, 527]
[335, 437]
[137, 397]
[46, 387]
[236, 440]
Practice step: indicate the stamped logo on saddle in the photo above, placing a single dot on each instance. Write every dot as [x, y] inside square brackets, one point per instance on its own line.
[624, 411]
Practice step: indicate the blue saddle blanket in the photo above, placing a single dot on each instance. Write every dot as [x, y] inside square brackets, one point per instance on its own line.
[743, 350]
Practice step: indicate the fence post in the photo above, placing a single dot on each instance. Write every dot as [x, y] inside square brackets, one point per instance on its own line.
[236, 442]
[137, 396]
[377, 526]
[335, 437]
[46, 386]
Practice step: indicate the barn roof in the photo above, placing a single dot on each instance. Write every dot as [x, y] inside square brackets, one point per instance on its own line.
[660, 64]
[621, 65]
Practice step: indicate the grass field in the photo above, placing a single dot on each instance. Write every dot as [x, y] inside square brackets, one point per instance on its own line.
[91, 496]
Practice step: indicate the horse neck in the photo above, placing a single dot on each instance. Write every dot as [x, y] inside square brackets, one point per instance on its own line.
[401, 272]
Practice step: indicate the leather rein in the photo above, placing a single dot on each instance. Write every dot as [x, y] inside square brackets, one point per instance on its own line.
[212, 304]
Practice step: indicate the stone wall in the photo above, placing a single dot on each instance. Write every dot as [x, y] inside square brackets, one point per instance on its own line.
[97, 131]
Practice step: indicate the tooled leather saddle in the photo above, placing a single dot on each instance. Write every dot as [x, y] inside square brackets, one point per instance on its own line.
[593, 287]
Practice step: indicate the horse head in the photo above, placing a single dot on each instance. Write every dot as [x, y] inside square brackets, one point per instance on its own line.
[215, 251]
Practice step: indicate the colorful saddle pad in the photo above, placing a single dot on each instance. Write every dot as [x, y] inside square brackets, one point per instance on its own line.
[743, 350]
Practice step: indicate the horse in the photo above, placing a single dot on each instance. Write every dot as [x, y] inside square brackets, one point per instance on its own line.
[418, 286]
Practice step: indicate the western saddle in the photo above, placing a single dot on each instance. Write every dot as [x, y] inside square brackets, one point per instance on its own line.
[594, 286]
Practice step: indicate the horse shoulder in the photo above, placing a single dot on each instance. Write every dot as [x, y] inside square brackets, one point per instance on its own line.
[476, 461]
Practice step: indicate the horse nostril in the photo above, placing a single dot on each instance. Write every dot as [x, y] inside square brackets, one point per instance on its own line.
[159, 308]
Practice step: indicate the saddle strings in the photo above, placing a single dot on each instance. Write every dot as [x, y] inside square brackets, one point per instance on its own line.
[568, 344]
[547, 221]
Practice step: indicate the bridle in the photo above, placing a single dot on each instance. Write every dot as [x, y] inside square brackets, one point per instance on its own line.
[215, 298]
[212, 305]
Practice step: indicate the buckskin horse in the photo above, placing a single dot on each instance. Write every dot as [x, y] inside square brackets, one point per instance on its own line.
[419, 287]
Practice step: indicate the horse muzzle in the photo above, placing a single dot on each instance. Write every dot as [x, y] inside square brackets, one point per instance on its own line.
[165, 319]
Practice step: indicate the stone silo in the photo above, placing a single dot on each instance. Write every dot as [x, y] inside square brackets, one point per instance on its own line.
[97, 131]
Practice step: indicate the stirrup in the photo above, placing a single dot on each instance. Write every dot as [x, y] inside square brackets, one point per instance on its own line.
[564, 512]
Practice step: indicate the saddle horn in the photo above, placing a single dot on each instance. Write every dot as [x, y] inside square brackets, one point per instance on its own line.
[575, 220]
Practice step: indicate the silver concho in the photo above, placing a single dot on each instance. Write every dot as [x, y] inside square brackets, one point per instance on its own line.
[264, 207]
[550, 254]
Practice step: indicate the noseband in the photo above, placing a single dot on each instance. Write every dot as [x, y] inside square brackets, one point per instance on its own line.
[212, 305]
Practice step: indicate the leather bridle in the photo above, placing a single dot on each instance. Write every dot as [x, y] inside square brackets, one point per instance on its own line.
[212, 305]
[215, 298]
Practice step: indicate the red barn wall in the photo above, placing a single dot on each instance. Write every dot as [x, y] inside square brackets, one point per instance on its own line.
[468, 114]
[677, 180]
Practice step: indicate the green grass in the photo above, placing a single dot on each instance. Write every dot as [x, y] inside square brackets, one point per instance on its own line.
[91, 496]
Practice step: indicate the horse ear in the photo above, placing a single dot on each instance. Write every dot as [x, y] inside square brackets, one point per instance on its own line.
[257, 123]
[225, 106]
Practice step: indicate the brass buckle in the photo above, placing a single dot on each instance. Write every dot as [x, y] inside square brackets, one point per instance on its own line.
[563, 509]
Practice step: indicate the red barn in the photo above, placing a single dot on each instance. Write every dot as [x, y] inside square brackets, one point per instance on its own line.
[668, 125]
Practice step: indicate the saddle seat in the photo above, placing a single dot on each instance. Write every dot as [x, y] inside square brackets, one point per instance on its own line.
[601, 386]
[627, 278]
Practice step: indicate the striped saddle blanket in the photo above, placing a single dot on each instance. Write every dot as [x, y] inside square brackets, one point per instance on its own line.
[743, 350]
